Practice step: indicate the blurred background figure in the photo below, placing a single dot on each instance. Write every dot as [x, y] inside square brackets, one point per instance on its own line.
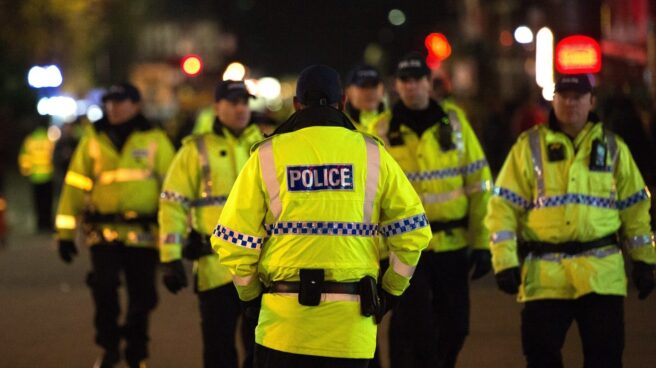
[35, 163]
[364, 100]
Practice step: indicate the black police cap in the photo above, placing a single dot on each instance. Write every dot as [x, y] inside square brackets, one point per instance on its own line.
[318, 85]
[231, 90]
[122, 91]
[579, 83]
[412, 65]
[363, 76]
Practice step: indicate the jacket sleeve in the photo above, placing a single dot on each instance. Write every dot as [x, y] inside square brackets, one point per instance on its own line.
[239, 235]
[179, 189]
[403, 223]
[633, 202]
[165, 153]
[78, 183]
[478, 186]
[510, 200]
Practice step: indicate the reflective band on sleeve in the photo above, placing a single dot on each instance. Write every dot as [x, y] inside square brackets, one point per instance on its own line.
[557, 257]
[536, 151]
[173, 239]
[242, 280]
[639, 196]
[237, 238]
[511, 197]
[174, 197]
[204, 166]
[457, 132]
[322, 228]
[431, 198]
[639, 241]
[65, 222]
[483, 186]
[373, 172]
[124, 175]
[474, 167]
[447, 173]
[268, 165]
[400, 267]
[209, 201]
[500, 236]
[573, 198]
[404, 226]
[78, 181]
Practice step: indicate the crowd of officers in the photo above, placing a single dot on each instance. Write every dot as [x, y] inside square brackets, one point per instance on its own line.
[351, 209]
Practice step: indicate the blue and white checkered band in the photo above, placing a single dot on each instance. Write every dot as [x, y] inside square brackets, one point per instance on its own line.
[174, 197]
[572, 198]
[639, 196]
[322, 228]
[511, 197]
[320, 177]
[237, 238]
[404, 226]
[209, 201]
[446, 173]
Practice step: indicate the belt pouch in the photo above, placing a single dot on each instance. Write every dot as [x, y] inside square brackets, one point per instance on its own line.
[309, 293]
[369, 302]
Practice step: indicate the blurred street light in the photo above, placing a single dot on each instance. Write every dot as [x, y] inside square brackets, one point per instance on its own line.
[396, 17]
[234, 71]
[191, 65]
[523, 35]
[268, 88]
[44, 76]
[544, 51]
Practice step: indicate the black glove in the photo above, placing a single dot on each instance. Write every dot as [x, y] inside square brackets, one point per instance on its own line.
[643, 278]
[508, 280]
[67, 250]
[175, 277]
[387, 303]
[480, 260]
[193, 247]
[251, 310]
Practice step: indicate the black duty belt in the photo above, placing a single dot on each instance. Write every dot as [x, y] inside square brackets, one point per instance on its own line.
[328, 287]
[437, 226]
[103, 218]
[539, 248]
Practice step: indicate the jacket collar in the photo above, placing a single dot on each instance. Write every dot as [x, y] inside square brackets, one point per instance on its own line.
[139, 122]
[315, 116]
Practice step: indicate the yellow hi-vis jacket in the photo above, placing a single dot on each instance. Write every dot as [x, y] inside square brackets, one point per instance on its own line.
[320, 194]
[102, 180]
[453, 184]
[543, 195]
[196, 188]
[35, 157]
[370, 122]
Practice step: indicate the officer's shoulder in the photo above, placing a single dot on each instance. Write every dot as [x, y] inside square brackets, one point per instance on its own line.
[371, 137]
[192, 139]
[538, 128]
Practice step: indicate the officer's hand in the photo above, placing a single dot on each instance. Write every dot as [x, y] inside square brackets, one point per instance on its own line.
[481, 261]
[643, 278]
[508, 280]
[175, 277]
[387, 303]
[67, 250]
[251, 309]
[193, 247]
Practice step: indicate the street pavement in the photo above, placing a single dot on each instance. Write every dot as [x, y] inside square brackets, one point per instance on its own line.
[46, 313]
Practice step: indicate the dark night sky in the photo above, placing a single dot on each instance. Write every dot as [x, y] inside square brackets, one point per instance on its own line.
[284, 36]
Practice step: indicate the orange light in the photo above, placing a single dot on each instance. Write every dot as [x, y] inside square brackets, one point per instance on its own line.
[578, 54]
[191, 65]
[506, 38]
[438, 47]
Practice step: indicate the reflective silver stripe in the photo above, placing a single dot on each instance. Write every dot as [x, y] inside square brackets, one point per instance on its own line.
[204, 166]
[639, 241]
[242, 280]
[268, 166]
[536, 150]
[328, 297]
[174, 197]
[504, 235]
[482, 186]
[457, 132]
[172, 239]
[373, 172]
[399, 267]
[557, 257]
[612, 149]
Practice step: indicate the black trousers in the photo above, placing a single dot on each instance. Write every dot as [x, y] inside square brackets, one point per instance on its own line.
[42, 197]
[431, 322]
[269, 358]
[138, 267]
[600, 319]
[219, 311]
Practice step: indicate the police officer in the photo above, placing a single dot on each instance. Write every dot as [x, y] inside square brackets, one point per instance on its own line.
[111, 191]
[565, 191]
[364, 100]
[197, 186]
[320, 191]
[35, 162]
[440, 154]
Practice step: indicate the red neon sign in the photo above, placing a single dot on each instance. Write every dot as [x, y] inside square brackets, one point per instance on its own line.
[578, 54]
